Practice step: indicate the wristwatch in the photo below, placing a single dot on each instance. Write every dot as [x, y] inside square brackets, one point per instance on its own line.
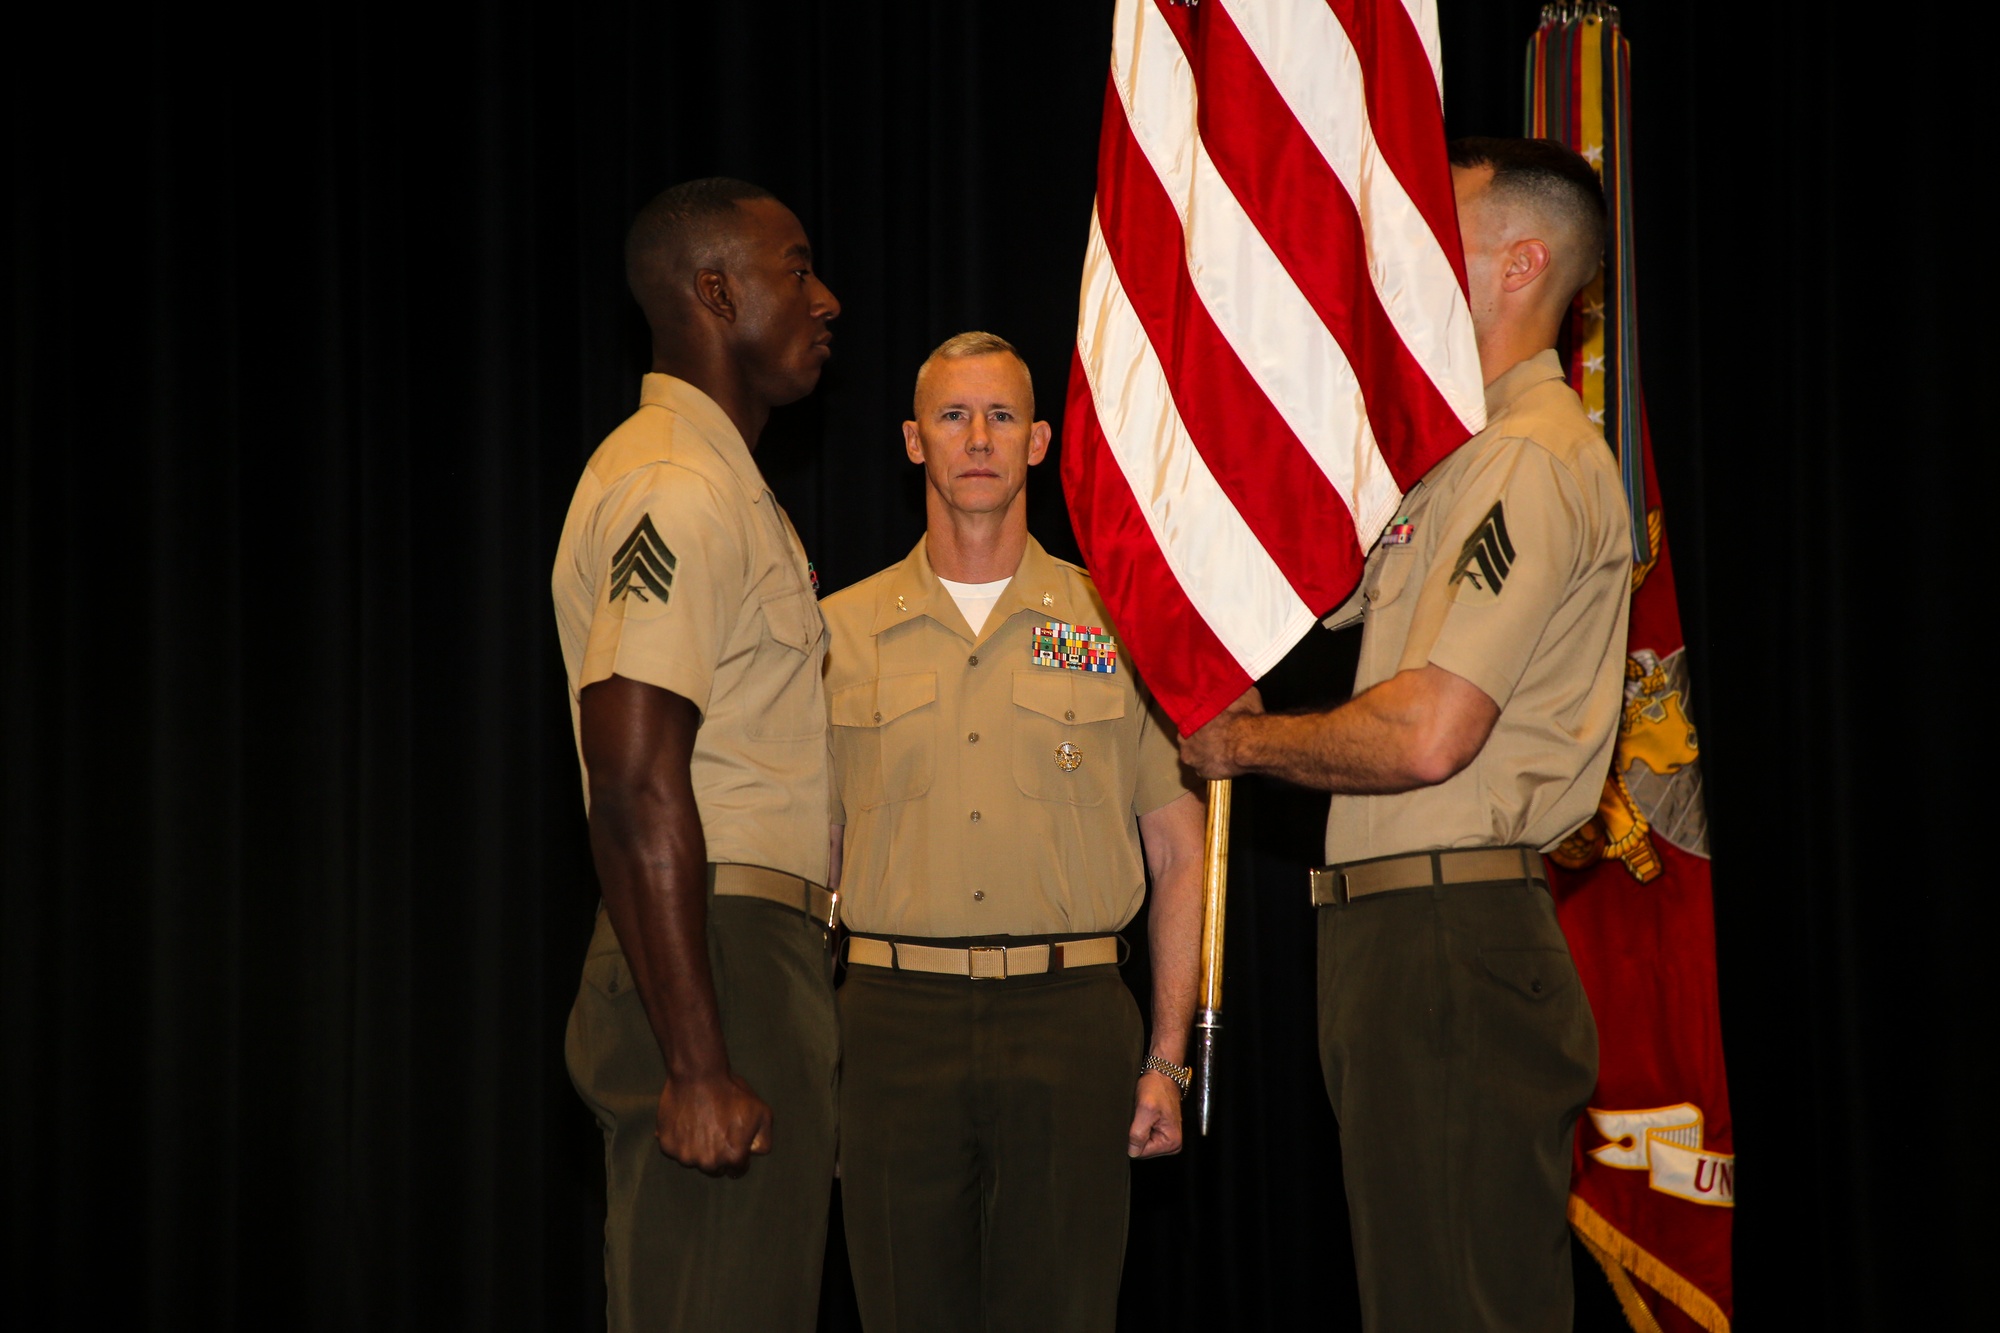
[1180, 1074]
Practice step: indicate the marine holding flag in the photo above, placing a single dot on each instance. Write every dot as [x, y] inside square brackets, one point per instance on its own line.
[1456, 1042]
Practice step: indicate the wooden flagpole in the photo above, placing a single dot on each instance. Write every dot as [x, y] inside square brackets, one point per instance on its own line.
[1214, 899]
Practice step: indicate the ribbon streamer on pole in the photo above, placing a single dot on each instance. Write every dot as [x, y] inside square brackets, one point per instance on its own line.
[1653, 1190]
[1214, 901]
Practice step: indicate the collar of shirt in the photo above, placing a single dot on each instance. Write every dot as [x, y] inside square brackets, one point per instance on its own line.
[913, 589]
[711, 423]
[1540, 368]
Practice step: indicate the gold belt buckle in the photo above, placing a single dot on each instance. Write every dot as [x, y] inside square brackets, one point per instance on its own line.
[1329, 887]
[986, 962]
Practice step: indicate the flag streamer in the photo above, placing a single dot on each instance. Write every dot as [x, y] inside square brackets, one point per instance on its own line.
[1653, 1189]
[1579, 66]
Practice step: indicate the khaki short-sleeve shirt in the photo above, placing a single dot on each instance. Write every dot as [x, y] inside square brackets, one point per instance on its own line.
[678, 568]
[987, 790]
[1517, 577]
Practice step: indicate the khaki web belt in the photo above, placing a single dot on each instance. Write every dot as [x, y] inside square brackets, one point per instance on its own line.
[817, 902]
[1334, 885]
[994, 963]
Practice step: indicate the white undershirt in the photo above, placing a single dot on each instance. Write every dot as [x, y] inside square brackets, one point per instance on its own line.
[976, 600]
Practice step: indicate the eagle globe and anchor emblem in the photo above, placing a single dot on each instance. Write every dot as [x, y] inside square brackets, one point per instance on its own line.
[1654, 787]
[1653, 791]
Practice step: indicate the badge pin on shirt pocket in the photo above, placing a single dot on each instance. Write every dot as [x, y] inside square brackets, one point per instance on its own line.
[1051, 742]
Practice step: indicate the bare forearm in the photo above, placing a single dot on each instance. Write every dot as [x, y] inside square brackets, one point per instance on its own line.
[1174, 938]
[1173, 839]
[652, 865]
[1416, 729]
[1353, 750]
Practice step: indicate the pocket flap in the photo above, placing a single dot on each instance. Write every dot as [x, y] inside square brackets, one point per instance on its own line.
[1385, 582]
[876, 703]
[1535, 973]
[1068, 696]
[793, 619]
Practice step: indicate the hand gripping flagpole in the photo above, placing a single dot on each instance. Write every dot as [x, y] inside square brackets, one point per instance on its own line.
[1214, 898]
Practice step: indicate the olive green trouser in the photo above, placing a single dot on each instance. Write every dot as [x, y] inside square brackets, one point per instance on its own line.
[1458, 1050]
[686, 1251]
[983, 1174]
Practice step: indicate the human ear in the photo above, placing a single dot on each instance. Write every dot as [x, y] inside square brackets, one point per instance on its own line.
[1526, 261]
[913, 442]
[711, 288]
[1038, 443]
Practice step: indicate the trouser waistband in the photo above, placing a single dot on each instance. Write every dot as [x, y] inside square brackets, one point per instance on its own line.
[816, 901]
[1337, 884]
[984, 962]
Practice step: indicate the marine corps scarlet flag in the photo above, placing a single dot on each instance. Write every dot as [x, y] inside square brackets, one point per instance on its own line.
[1655, 1178]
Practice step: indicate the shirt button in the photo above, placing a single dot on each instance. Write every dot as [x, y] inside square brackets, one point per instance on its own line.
[975, 816]
[1069, 715]
[878, 717]
[972, 660]
[979, 895]
[973, 739]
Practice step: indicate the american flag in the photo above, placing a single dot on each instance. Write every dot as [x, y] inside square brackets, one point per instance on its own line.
[1273, 343]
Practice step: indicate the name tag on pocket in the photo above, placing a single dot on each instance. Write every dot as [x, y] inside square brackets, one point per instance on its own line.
[1057, 643]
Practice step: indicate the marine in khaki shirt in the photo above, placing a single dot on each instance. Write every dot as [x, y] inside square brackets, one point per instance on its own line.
[723, 614]
[999, 775]
[1456, 1041]
[975, 761]
[1516, 577]
[703, 1036]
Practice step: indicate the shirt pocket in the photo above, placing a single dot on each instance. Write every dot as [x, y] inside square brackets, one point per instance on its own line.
[1066, 735]
[883, 747]
[1387, 577]
[1393, 577]
[786, 669]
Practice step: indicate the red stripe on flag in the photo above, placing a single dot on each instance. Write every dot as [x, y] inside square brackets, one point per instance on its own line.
[1187, 668]
[1304, 212]
[1249, 447]
[1406, 113]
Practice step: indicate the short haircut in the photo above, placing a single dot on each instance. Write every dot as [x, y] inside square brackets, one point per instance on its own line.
[974, 343]
[681, 227]
[1551, 179]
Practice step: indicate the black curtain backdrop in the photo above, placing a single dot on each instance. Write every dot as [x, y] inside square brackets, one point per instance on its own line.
[313, 316]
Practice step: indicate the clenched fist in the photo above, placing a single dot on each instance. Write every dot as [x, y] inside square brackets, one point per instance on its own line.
[714, 1124]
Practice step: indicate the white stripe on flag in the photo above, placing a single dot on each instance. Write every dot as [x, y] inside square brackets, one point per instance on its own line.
[1423, 17]
[1251, 297]
[1306, 52]
[1230, 579]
